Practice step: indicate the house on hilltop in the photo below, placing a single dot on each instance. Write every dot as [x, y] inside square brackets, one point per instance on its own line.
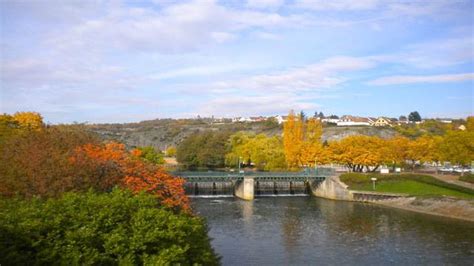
[349, 120]
[281, 119]
[382, 122]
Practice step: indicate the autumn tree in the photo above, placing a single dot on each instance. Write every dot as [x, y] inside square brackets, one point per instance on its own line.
[58, 159]
[8, 126]
[293, 140]
[266, 153]
[457, 147]
[110, 164]
[302, 141]
[171, 151]
[470, 123]
[358, 152]
[395, 151]
[423, 149]
[37, 162]
[29, 120]
[149, 154]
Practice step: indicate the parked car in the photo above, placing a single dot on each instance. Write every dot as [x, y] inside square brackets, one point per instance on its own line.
[461, 170]
[446, 169]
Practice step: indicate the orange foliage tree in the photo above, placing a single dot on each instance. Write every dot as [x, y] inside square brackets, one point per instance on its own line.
[111, 164]
[302, 141]
[359, 152]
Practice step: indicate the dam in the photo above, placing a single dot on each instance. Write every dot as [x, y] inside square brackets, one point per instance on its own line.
[251, 184]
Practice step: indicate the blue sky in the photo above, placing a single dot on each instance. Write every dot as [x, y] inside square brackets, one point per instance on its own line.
[114, 61]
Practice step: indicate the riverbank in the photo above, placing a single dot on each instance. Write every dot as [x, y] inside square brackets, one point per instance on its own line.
[423, 194]
[447, 207]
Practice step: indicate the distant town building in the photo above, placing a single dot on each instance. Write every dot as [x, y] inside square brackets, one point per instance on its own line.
[281, 119]
[330, 120]
[382, 122]
[349, 120]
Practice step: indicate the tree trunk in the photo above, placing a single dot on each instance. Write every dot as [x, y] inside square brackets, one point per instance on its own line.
[375, 169]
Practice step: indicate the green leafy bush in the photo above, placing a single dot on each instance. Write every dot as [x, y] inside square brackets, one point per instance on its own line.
[100, 229]
[467, 178]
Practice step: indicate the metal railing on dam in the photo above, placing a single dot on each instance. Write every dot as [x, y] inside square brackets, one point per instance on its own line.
[258, 183]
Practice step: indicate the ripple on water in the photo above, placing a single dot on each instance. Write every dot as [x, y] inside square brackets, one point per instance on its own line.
[305, 230]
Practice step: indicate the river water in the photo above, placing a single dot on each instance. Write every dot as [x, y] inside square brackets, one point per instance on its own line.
[314, 231]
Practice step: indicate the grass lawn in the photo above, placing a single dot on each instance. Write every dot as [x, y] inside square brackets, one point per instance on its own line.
[411, 187]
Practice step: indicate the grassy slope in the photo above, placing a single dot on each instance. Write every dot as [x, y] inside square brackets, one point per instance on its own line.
[416, 185]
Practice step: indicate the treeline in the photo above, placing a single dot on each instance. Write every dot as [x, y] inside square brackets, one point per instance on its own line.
[70, 174]
[301, 146]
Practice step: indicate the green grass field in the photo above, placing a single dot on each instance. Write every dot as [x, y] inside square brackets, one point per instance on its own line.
[413, 188]
[411, 184]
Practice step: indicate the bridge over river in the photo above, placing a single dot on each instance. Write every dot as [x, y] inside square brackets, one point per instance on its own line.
[249, 184]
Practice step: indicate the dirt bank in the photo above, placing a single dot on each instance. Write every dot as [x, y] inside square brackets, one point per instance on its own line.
[447, 207]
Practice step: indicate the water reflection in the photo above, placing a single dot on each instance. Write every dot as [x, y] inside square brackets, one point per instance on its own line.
[306, 230]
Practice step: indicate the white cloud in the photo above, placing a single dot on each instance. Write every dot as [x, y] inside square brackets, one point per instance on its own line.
[337, 4]
[323, 75]
[243, 105]
[265, 3]
[174, 28]
[267, 35]
[439, 53]
[396, 80]
[277, 92]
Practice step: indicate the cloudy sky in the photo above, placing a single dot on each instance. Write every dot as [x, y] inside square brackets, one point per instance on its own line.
[114, 61]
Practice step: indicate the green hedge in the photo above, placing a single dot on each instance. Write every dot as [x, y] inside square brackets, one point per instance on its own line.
[100, 229]
[467, 178]
[362, 178]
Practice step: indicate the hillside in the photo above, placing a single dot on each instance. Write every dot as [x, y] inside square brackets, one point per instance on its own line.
[163, 133]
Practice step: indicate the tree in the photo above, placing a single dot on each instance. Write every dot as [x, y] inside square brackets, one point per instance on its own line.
[321, 115]
[457, 147]
[414, 117]
[302, 116]
[293, 140]
[171, 151]
[423, 149]
[470, 123]
[358, 152]
[395, 151]
[149, 154]
[90, 228]
[58, 159]
[207, 149]
[266, 153]
[8, 127]
[29, 120]
[111, 165]
[302, 142]
[37, 162]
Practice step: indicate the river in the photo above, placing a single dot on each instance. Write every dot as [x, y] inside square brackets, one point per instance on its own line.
[314, 231]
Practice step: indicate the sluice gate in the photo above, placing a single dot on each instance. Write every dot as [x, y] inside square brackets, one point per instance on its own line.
[209, 188]
[263, 188]
[252, 184]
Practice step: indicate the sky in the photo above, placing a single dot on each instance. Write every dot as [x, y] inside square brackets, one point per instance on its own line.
[116, 61]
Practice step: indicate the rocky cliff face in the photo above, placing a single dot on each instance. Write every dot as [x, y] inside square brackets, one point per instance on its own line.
[164, 133]
[338, 133]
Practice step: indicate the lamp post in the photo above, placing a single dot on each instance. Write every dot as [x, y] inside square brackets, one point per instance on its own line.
[373, 182]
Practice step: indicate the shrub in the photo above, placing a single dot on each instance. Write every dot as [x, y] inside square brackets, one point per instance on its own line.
[467, 178]
[100, 229]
